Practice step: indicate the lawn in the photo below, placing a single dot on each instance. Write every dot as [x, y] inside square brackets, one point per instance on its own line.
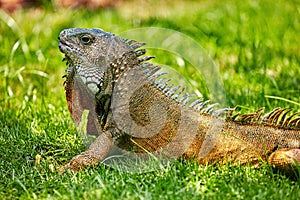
[254, 44]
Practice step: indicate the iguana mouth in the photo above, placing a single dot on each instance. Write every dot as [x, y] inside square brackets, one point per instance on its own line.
[63, 47]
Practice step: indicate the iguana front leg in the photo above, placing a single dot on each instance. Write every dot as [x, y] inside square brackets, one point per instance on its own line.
[96, 153]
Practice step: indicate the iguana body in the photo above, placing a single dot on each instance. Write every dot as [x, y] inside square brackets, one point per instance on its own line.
[130, 110]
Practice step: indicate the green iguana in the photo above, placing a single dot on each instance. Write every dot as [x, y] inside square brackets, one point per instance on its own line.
[131, 108]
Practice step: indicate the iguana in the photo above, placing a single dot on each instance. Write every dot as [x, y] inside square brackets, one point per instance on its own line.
[132, 108]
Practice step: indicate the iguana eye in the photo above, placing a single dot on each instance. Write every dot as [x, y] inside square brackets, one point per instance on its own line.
[86, 39]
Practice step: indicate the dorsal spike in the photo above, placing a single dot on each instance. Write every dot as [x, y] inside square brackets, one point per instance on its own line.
[284, 117]
[194, 103]
[140, 52]
[234, 117]
[266, 118]
[183, 100]
[294, 123]
[201, 105]
[167, 89]
[145, 58]
[176, 96]
[155, 76]
[137, 45]
[150, 69]
[230, 112]
[186, 100]
[258, 114]
[172, 90]
[159, 81]
[297, 124]
[130, 42]
[289, 119]
[275, 118]
[164, 84]
[209, 109]
[247, 118]
[134, 44]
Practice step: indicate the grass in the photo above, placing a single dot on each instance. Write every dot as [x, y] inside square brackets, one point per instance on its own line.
[255, 44]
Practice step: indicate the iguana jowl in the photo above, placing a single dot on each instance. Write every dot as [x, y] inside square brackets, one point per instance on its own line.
[132, 109]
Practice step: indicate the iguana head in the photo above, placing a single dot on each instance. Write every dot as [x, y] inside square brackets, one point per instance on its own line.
[96, 56]
[95, 59]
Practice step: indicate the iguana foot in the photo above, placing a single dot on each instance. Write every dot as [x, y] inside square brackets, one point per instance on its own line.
[81, 161]
[97, 151]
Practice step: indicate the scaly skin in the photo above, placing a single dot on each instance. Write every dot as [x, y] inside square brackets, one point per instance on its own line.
[131, 111]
